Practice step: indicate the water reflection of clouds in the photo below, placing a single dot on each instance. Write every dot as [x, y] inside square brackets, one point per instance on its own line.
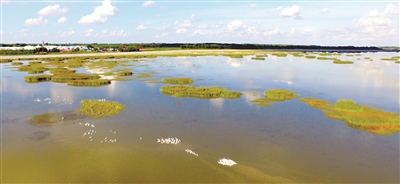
[187, 63]
[250, 96]
[217, 103]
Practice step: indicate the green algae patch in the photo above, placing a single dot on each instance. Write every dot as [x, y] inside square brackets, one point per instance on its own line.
[358, 116]
[200, 92]
[258, 58]
[94, 82]
[178, 80]
[338, 61]
[38, 78]
[74, 76]
[100, 109]
[275, 95]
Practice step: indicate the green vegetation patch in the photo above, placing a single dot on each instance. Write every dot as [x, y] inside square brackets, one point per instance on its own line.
[275, 95]
[94, 82]
[200, 92]
[5, 60]
[310, 57]
[34, 62]
[358, 116]
[38, 78]
[325, 58]
[58, 71]
[26, 68]
[100, 109]
[16, 63]
[178, 80]
[258, 58]
[280, 54]
[236, 56]
[74, 76]
[338, 61]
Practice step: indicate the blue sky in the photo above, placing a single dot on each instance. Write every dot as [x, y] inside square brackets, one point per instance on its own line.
[179, 21]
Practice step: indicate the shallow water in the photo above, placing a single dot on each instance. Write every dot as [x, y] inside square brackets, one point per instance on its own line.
[287, 142]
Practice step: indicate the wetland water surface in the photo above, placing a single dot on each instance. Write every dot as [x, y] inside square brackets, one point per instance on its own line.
[288, 141]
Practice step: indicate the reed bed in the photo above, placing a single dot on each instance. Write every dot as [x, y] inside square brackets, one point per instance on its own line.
[38, 78]
[100, 109]
[178, 80]
[5, 60]
[94, 82]
[200, 92]
[358, 116]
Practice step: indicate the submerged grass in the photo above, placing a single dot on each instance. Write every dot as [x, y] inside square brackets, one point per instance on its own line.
[178, 80]
[200, 92]
[100, 109]
[358, 116]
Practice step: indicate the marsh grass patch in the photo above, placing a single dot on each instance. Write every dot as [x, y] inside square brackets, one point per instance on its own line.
[358, 116]
[100, 109]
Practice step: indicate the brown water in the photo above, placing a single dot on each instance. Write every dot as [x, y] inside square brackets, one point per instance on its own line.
[287, 142]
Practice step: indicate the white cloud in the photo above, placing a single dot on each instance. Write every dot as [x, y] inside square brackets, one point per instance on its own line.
[271, 32]
[148, 3]
[54, 10]
[71, 32]
[252, 30]
[100, 14]
[253, 6]
[373, 13]
[162, 35]
[293, 11]
[235, 25]
[181, 30]
[391, 9]
[199, 32]
[141, 27]
[88, 32]
[374, 21]
[203, 26]
[36, 21]
[62, 20]
[393, 32]
[118, 33]
[164, 27]
[325, 10]
[5, 2]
